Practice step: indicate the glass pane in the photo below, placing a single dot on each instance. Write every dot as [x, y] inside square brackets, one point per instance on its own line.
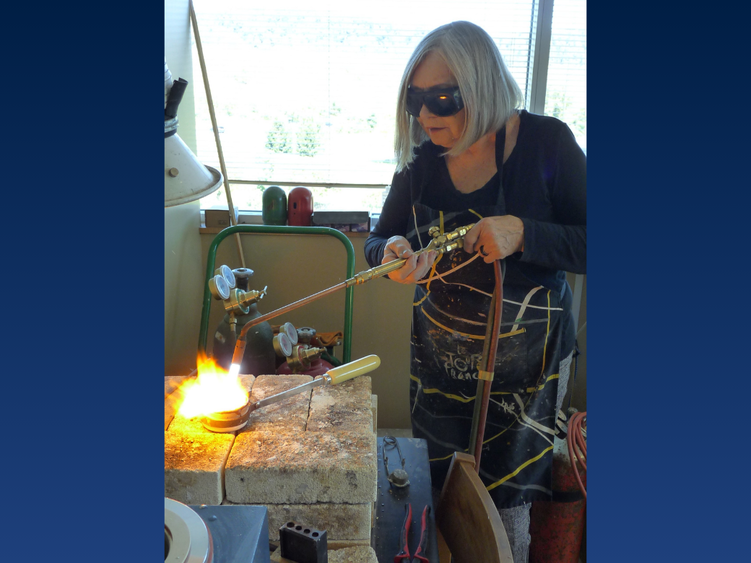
[566, 92]
[306, 92]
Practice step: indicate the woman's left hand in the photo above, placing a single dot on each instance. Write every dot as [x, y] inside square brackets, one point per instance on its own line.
[495, 237]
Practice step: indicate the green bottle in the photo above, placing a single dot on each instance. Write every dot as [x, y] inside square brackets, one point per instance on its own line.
[274, 206]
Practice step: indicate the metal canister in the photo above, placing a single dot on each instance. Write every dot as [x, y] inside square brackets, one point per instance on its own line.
[274, 206]
[259, 357]
[557, 527]
[300, 207]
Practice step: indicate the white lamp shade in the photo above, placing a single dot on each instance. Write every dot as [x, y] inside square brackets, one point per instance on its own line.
[186, 179]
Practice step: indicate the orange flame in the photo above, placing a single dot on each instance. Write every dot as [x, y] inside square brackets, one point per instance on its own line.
[214, 390]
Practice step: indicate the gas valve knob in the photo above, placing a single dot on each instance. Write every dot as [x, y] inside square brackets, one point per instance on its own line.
[305, 334]
[303, 356]
[242, 275]
[239, 301]
[253, 296]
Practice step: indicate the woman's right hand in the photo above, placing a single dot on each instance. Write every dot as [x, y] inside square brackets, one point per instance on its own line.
[414, 268]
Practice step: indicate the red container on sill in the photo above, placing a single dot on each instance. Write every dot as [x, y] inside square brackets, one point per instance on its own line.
[300, 207]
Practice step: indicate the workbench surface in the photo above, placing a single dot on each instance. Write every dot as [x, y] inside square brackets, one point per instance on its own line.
[391, 500]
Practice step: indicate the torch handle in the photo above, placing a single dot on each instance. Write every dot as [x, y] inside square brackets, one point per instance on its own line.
[345, 372]
[441, 243]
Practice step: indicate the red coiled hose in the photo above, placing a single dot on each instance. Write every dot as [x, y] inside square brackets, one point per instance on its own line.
[577, 445]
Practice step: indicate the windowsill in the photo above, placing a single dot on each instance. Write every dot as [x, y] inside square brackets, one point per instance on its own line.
[254, 218]
[204, 230]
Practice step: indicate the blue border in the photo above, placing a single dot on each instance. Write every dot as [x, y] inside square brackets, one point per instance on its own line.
[83, 225]
[667, 306]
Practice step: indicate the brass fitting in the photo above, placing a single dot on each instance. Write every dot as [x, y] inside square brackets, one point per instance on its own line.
[302, 356]
[239, 301]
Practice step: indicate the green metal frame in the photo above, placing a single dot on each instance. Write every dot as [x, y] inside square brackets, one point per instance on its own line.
[280, 229]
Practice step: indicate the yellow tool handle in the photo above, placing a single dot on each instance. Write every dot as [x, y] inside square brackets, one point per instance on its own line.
[345, 372]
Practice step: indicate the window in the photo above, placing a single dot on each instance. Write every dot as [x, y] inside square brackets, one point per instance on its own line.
[305, 93]
[566, 91]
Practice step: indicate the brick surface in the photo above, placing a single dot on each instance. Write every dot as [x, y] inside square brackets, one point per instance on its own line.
[342, 522]
[353, 555]
[346, 406]
[173, 397]
[194, 466]
[172, 382]
[247, 381]
[304, 468]
[290, 414]
[181, 425]
[356, 554]
[374, 410]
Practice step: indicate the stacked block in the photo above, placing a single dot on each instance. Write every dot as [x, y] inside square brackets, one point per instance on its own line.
[310, 458]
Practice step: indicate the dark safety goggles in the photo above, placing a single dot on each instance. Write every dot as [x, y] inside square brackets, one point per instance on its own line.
[442, 101]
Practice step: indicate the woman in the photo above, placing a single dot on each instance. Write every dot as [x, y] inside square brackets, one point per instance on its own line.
[467, 154]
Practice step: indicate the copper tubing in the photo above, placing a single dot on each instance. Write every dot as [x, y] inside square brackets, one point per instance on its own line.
[291, 307]
[241, 342]
[490, 349]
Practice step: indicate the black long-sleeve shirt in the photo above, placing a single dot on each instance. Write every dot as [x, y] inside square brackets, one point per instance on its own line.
[544, 184]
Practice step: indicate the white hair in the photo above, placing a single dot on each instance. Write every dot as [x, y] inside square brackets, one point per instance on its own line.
[489, 91]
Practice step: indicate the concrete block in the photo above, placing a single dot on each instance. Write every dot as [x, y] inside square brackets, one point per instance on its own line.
[289, 415]
[346, 406]
[172, 382]
[342, 544]
[341, 521]
[194, 466]
[362, 554]
[181, 425]
[356, 554]
[374, 410]
[171, 404]
[305, 468]
[173, 396]
[345, 524]
[247, 381]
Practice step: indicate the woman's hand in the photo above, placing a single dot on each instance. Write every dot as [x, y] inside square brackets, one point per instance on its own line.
[414, 268]
[495, 237]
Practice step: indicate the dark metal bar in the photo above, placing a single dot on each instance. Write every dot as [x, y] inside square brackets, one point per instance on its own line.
[487, 364]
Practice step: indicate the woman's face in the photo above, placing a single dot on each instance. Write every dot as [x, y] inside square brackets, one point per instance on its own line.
[432, 72]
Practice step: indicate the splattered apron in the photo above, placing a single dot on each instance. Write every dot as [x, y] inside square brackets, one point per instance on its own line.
[448, 330]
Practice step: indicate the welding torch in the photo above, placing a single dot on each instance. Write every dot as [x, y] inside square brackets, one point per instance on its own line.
[440, 243]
